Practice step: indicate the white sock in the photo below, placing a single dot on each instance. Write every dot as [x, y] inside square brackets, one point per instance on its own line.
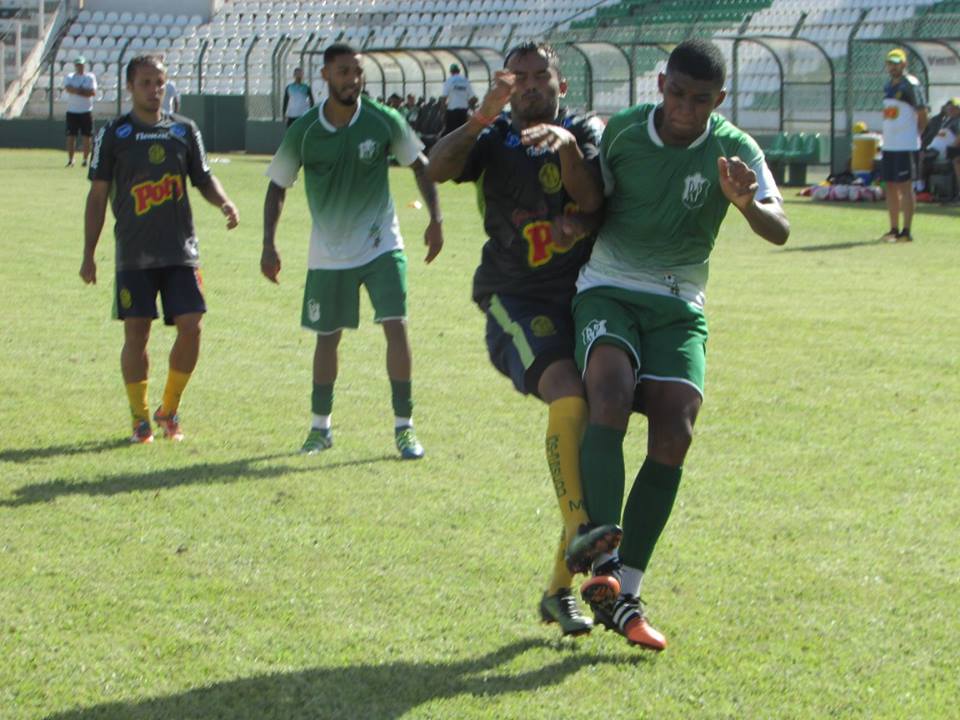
[630, 579]
[401, 422]
[321, 422]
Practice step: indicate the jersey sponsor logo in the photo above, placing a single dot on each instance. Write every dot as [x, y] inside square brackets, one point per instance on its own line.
[367, 150]
[152, 136]
[594, 329]
[150, 194]
[549, 176]
[156, 154]
[695, 189]
[542, 326]
[313, 310]
[179, 130]
[124, 130]
[891, 112]
[539, 237]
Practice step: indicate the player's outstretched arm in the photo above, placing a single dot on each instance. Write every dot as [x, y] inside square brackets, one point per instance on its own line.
[272, 207]
[449, 155]
[580, 178]
[214, 194]
[739, 184]
[433, 235]
[93, 218]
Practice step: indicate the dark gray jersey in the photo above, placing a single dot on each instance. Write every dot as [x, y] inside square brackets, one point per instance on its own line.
[147, 168]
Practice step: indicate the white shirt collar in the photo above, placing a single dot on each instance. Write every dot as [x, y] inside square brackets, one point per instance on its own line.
[326, 123]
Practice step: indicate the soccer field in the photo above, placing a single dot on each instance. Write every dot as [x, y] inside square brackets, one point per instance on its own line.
[811, 567]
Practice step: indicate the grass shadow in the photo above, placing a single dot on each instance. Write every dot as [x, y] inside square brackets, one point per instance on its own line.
[22, 455]
[156, 480]
[834, 246]
[387, 691]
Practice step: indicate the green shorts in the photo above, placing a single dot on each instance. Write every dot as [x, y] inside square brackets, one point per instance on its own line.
[666, 337]
[331, 298]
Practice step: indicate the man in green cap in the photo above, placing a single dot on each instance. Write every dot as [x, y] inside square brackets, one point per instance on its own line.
[904, 118]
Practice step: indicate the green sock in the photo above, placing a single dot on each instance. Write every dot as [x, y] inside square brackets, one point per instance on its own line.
[601, 471]
[321, 400]
[402, 395]
[648, 507]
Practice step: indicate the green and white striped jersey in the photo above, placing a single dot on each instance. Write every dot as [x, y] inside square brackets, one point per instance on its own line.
[664, 204]
[345, 175]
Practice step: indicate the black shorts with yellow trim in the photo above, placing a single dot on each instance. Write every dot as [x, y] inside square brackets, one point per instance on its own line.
[180, 288]
[525, 336]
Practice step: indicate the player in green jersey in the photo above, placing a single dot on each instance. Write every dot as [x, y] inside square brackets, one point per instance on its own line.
[671, 171]
[343, 146]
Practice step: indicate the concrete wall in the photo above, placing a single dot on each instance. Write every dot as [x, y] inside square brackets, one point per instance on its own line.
[33, 133]
[263, 136]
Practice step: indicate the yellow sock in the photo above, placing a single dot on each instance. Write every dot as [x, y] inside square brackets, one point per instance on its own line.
[176, 382]
[561, 577]
[565, 425]
[137, 395]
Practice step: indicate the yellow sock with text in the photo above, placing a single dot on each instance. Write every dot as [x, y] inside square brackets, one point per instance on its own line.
[137, 395]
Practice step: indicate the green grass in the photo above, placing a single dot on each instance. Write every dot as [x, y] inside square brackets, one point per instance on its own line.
[810, 569]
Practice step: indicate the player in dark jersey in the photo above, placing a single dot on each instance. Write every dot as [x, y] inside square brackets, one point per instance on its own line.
[533, 167]
[141, 162]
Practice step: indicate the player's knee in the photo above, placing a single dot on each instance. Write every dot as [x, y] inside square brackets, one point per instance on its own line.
[671, 440]
[609, 402]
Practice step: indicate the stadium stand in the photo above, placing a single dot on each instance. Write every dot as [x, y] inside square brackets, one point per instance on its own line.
[809, 66]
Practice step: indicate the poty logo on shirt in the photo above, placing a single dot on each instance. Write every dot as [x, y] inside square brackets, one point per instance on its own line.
[149, 194]
[367, 150]
[595, 329]
[695, 190]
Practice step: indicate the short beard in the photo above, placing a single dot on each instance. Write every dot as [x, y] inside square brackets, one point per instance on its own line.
[340, 98]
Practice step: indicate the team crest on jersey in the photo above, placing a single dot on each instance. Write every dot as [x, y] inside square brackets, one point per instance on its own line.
[593, 330]
[542, 326]
[313, 310]
[891, 112]
[672, 283]
[124, 131]
[550, 178]
[156, 154]
[367, 151]
[695, 189]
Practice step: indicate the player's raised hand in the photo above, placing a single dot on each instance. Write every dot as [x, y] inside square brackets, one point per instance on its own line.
[498, 95]
[546, 136]
[88, 271]
[433, 239]
[737, 181]
[270, 263]
[231, 213]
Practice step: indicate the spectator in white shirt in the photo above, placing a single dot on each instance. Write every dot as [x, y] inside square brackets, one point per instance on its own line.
[80, 88]
[456, 95]
[171, 98]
